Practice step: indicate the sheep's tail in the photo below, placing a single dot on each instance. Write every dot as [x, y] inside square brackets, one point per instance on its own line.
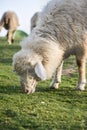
[7, 20]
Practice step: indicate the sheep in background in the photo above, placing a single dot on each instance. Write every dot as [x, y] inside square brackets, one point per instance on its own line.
[10, 22]
[34, 20]
[61, 31]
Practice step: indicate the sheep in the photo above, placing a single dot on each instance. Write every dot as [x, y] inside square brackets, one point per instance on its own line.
[34, 20]
[10, 22]
[61, 31]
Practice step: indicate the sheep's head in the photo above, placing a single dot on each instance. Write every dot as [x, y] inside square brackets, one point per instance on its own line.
[29, 69]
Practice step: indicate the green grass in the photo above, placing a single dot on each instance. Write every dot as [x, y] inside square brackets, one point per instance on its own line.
[62, 109]
[20, 34]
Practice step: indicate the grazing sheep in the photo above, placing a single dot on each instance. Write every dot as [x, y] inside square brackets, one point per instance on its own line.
[10, 22]
[34, 20]
[61, 31]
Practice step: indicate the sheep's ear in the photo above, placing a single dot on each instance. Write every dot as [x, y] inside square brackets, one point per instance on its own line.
[40, 71]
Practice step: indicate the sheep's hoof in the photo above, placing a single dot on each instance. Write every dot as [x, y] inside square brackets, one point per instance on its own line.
[54, 86]
[9, 42]
[12, 40]
[81, 86]
[79, 89]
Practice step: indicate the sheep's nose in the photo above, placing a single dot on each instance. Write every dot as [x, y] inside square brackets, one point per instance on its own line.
[26, 91]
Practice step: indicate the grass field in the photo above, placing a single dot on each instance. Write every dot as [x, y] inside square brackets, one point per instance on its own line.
[62, 109]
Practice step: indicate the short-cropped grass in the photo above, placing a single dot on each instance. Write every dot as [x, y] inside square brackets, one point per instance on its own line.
[62, 109]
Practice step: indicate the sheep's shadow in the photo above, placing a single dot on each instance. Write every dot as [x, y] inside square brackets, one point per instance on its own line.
[17, 90]
[60, 91]
[10, 89]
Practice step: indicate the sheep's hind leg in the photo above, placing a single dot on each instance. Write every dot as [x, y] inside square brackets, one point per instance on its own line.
[81, 62]
[13, 36]
[57, 77]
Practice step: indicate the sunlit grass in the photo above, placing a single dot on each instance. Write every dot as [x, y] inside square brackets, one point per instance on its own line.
[62, 109]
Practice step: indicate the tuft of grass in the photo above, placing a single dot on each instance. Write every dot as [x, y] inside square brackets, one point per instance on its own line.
[62, 109]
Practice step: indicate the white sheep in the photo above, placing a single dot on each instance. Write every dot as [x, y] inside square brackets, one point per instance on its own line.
[10, 22]
[61, 31]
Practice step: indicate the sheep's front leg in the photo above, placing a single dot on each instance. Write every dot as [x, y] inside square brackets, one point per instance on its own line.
[81, 62]
[57, 77]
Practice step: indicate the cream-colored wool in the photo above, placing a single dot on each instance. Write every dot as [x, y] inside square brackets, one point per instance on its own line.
[61, 31]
